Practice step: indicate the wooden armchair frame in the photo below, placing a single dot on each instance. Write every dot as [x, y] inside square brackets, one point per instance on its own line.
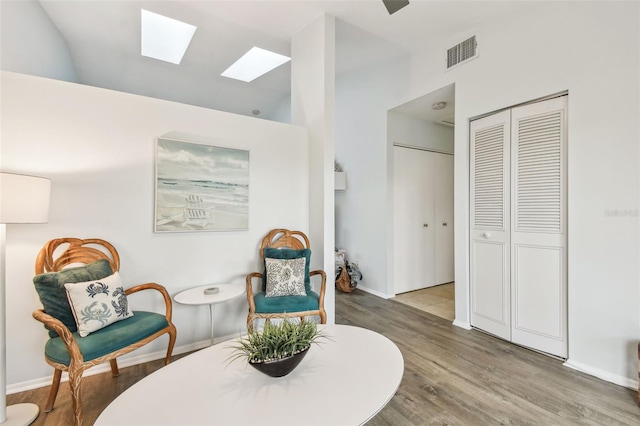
[79, 251]
[296, 240]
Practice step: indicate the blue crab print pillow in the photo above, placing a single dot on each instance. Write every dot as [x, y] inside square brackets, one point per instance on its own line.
[96, 304]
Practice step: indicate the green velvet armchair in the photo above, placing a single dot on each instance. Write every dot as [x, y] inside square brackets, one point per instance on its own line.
[282, 246]
[80, 262]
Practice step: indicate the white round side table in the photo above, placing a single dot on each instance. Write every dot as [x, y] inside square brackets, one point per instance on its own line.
[197, 296]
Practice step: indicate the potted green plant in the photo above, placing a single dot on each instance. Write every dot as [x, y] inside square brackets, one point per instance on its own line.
[278, 348]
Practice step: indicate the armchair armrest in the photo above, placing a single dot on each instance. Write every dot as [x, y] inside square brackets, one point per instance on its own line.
[252, 305]
[64, 333]
[323, 283]
[157, 287]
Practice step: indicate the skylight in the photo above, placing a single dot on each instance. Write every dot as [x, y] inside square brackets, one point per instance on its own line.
[254, 63]
[164, 38]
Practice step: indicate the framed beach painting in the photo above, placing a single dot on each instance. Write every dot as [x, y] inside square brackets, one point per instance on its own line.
[200, 187]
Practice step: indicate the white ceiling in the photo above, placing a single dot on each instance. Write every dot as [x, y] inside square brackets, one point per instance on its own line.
[422, 108]
[104, 40]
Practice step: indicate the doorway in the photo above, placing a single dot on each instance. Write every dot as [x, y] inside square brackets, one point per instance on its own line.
[421, 138]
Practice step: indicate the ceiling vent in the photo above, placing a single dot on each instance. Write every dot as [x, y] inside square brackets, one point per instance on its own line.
[462, 52]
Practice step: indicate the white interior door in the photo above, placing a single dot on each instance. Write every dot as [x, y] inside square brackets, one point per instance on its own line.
[443, 172]
[538, 227]
[413, 220]
[490, 224]
[518, 225]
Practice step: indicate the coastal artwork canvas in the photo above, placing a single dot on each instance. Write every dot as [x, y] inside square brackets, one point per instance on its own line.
[201, 187]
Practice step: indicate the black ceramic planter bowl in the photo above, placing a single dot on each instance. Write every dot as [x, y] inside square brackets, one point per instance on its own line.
[280, 367]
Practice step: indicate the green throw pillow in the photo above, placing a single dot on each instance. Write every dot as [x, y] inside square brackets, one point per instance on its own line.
[53, 296]
[274, 253]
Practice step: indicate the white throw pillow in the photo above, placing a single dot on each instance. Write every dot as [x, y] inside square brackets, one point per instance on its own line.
[96, 304]
[285, 277]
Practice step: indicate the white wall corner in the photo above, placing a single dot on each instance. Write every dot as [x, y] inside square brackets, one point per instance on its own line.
[376, 292]
[462, 324]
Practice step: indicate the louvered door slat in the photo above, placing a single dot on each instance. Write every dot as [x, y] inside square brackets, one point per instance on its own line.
[538, 173]
[489, 177]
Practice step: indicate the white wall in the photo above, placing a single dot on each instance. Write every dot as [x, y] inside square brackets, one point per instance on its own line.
[37, 48]
[313, 106]
[98, 148]
[590, 49]
[282, 111]
[362, 100]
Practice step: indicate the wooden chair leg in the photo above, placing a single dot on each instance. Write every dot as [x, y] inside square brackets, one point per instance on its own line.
[250, 321]
[115, 372]
[55, 385]
[172, 342]
[75, 384]
[323, 317]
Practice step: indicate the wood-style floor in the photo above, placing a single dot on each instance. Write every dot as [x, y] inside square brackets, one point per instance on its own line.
[452, 376]
[438, 300]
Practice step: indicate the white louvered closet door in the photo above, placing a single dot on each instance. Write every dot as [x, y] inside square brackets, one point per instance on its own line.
[490, 225]
[538, 226]
[518, 225]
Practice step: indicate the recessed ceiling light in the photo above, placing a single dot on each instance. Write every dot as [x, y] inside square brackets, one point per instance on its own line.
[164, 38]
[255, 63]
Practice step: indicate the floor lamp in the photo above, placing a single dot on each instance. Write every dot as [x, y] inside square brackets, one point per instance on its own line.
[23, 199]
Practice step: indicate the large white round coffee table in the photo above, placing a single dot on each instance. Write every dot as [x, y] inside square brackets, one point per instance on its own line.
[346, 380]
[196, 296]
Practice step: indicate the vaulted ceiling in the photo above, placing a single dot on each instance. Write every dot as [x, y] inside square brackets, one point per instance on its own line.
[104, 40]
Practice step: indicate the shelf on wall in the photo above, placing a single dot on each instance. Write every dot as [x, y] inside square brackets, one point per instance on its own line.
[340, 181]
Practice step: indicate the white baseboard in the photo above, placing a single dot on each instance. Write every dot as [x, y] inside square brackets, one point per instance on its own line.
[376, 292]
[462, 324]
[601, 374]
[126, 361]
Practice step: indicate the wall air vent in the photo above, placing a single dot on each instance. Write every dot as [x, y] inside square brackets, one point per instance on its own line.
[462, 52]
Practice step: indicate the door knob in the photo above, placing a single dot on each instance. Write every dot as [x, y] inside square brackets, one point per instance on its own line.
[444, 223]
[426, 225]
[486, 235]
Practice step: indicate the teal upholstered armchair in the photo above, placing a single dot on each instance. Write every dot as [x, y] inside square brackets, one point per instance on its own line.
[87, 313]
[285, 284]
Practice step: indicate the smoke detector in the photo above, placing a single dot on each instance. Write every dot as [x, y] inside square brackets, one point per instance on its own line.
[438, 106]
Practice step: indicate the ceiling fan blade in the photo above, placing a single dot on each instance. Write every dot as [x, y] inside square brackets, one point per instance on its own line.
[394, 5]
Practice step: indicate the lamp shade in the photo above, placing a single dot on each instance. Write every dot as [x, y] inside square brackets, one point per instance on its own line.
[24, 199]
